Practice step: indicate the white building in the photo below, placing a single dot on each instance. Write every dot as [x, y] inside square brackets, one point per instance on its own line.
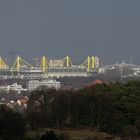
[14, 87]
[32, 85]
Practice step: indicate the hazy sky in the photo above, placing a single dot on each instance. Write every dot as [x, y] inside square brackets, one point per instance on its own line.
[109, 29]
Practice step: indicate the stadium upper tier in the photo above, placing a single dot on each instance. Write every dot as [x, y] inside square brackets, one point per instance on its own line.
[52, 68]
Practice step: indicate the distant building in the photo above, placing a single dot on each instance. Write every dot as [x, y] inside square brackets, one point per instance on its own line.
[33, 85]
[14, 87]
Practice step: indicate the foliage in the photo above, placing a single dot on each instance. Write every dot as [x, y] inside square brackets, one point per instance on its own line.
[128, 132]
[49, 135]
[12, 125]
[109, 108]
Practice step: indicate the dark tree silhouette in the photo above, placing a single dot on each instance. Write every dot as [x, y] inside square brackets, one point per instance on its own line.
[49, 135]
[12, 125]
[109, 108]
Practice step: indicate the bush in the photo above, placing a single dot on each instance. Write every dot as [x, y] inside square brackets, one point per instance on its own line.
[128, 132]
[49, 135]
[12, 125]
[64, 136]
[93, 138]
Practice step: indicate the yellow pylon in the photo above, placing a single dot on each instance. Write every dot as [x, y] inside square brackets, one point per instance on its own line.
[92, 62]
[44, 64]
[87, 63]
[3, 65]
[68, 61]
[19, 62]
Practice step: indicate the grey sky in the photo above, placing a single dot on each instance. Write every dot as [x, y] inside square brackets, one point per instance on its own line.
[109, 29]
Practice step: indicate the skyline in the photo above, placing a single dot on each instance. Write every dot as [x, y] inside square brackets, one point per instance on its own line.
[108, 29]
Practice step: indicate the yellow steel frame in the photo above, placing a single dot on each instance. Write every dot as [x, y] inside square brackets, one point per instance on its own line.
[3, 65]
[19, 62]
[44, 64]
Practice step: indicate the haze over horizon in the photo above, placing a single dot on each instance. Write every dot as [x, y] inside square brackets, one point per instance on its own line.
[55, 28]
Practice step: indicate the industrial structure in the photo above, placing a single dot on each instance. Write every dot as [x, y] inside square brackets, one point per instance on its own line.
[124, 69]
[48, 68]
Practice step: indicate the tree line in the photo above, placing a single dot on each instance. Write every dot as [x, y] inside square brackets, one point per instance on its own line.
[111, 108]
